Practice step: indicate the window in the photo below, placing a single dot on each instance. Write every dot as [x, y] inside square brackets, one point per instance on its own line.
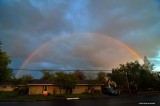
[64, 87]
[73, 87]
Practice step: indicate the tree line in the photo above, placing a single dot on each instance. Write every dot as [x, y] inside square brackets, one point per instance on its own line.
[136, 77]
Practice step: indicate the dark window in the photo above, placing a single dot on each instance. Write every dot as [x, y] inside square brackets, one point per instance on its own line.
[89, 87]
[64, 87]
[73, 87]
[45, 88]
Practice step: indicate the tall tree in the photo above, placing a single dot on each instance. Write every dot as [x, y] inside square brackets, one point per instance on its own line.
[134, 74]
[118, 76]
[26, 78]
[66, 81]
[79, 74]
[102, 77]
[6, 73]
[148, 66]
[47, 75]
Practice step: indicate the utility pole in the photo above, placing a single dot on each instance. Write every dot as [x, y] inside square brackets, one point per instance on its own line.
[127, 84]
[0, 54]
[0, 45]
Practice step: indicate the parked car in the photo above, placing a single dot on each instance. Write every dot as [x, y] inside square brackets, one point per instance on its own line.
[110, 91]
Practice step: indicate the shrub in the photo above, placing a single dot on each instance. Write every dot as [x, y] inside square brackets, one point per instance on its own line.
[8, 94]
[22, 90]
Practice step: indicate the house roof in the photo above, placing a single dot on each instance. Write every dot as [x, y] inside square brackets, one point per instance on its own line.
[40, 81]
[49, 82]
[89, 82]
[5, 83]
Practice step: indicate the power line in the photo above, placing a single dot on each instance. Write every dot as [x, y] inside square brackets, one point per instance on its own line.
[60, 70]
[57, 70]
[0, 44]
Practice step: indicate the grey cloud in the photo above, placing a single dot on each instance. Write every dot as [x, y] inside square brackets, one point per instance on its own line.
[133, 22]
[82, 52]
[22, 25]
[121, 17]
[24, 16]
[28, 24]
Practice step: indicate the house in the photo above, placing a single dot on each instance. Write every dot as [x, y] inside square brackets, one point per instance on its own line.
[6, 86]
[45, 87]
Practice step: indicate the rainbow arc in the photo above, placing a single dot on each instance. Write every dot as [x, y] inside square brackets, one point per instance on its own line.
[39, 49]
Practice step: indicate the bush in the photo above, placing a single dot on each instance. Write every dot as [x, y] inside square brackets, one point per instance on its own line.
[8, 94]
[22, 90]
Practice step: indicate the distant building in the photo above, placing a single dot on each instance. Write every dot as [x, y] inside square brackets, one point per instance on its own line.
[38, 86]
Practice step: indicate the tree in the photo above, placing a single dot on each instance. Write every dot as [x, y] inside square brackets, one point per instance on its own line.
[6, 73]
[102, 77]
[156, 80]
[22, 90]
[66, 81]
[79, 74]
[147, 66]
[47, 75]
[117, 76]
[133, 70]
[60, 80]
[135, 75]
[147, 78]
[70, 82]
[26, 78]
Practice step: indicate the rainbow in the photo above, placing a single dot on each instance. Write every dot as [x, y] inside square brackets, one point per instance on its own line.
[32, 55]
[29, 58]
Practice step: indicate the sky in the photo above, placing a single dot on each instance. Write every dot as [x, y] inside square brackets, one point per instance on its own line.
[81, 34]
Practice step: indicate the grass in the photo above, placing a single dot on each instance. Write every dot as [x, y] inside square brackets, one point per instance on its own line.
[5, 95]
[13, 96]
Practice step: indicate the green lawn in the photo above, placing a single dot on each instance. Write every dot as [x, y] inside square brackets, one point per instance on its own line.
[13, 96]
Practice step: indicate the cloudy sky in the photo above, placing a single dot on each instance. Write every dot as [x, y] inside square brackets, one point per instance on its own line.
[79, 34]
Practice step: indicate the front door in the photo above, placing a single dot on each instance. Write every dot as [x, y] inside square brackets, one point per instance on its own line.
[45, 88]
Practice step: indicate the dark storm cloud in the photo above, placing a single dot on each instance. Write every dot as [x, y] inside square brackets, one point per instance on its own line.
[27, 24]
[24, 27]
[132, 21]
[24, 16]
[124, 16]
[22, 22]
